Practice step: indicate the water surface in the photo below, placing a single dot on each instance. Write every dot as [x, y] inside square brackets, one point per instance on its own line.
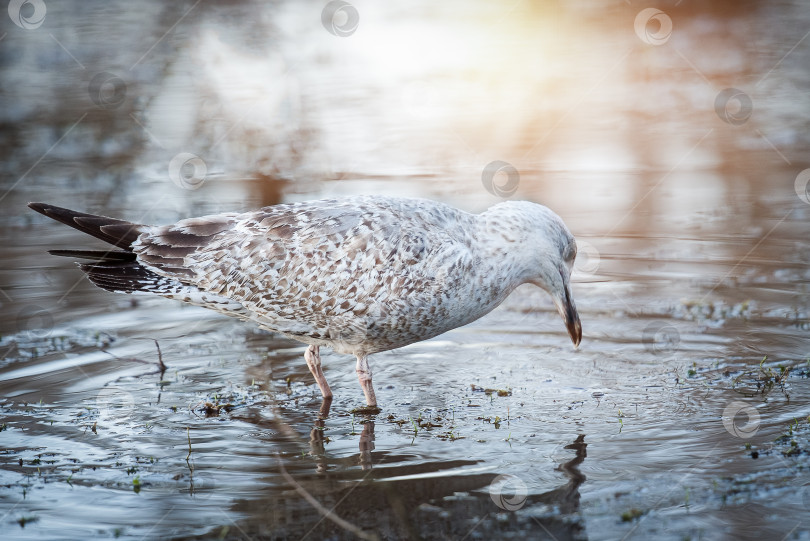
[684, 413]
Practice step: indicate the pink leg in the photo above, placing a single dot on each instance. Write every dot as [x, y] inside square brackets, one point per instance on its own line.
[313, 359]
[364, 375]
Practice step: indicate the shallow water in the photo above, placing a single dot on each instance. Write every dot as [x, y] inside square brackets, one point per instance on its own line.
[683, 414]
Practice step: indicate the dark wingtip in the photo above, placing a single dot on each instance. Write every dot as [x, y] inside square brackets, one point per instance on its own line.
[116, 232]
[39, 207]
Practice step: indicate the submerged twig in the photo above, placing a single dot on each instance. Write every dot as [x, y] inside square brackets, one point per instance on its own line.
[161, 365]
[188, 456]
[326, 513]
[160, 358]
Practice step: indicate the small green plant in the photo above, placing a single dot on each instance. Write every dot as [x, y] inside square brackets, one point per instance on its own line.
[415, 425]
[631, 515]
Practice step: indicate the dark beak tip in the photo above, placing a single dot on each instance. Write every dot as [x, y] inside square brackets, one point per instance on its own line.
[575, 331]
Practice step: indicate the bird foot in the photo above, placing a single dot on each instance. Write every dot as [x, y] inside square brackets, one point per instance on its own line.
[367, 410]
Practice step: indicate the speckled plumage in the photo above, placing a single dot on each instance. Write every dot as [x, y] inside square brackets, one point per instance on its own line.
[360, 274]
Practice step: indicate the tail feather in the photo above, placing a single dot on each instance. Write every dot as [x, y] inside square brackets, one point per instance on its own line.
[121, 270]
[113, 270]
[119, 233]
[129, 277]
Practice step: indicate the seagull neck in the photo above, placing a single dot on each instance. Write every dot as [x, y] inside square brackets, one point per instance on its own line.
[502, 239]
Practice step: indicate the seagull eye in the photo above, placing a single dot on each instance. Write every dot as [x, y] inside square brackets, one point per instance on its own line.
[571, 252]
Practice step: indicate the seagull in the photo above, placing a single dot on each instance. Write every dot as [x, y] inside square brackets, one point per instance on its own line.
[361, 274]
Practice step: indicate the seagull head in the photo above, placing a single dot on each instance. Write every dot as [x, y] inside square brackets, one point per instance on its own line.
[557, 282]
[545, 251]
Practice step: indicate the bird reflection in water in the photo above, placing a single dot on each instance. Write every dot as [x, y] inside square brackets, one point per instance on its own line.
[418, 501]
[566, 497]
[316, 439]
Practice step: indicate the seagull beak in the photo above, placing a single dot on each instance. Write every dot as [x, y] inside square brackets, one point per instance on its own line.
[573, 325]
[568, 311]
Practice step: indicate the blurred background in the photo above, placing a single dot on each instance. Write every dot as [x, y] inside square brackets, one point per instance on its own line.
[671, 137]
[688, 123]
